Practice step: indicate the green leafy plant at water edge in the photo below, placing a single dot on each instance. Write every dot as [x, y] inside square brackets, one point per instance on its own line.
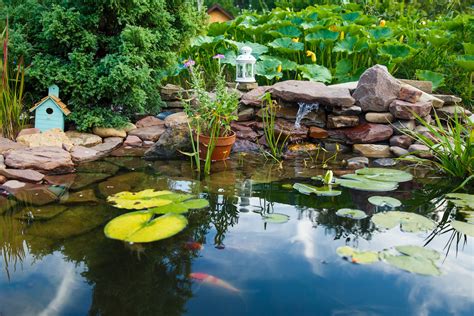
[87, 118]
[12, 117]
[276, 143]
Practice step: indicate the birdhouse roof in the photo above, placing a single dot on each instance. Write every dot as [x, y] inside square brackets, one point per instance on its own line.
[217, 7]
[56, 100]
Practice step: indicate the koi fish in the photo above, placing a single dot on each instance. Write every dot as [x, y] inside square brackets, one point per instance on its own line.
[210, 279]
[193, 245]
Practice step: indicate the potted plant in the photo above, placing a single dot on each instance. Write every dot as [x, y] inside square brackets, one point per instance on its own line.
[210, 116]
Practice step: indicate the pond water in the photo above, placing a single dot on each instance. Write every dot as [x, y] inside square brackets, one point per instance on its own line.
[64, 265]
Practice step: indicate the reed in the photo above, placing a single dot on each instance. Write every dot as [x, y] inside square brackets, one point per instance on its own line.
[276, 143]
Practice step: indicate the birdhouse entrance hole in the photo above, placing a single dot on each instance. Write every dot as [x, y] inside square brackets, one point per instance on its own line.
[49, 110]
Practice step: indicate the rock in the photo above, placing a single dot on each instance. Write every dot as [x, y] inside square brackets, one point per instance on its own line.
[351, 85]
[403, 125]
[435, 102]
[425, 86]
[64, 180]
[3, 179]
[170, 143]
[247, 86]
[379, 117]
[404, 110]
[245, 146]
[317, 133]
[398, 151]
[2, 162]
[385, 162]
[100, 166]
[151, 133]
[357, 163]
[448, 99]
[53, 137]
[179, 118]
[127, 151]
[13, 185]
[342, 121]
[84, 179]
[336, 147]
[409, 94]
[246, 114]
[39, 213]
[132, 141]
[254, 97]
[311, 92]
[372, 150]
[149, 121]
[352, 110]
[28, 131]
[109, 144]
[313, 118]
[420, 150]
[244, 132]
[29, 193]
[83, 139]
[172, 92]
[129, 127]
[25, 175]
[67, 147]
[7, 145]
[403, 141]
[376, 89]
[85, 196]
[300, 148]
[82, 154]
[369, 133]
[287, 129]
[450, 111]
[105, 132]
[48, 160]
[337, 135]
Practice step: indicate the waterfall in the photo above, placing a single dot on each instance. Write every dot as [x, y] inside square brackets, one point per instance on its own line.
[304, 109]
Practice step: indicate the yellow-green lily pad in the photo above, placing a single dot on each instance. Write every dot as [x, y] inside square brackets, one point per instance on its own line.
[181, 207]
[384, 201]
[276, 218]
[351, 213]
[461, 199]
[357, 182]
[463, 227]
[139, 227]
[409, 222]
[417, 251]
[356, 256]
[140, 200]
[305, 188]
[345, 251]
[418, 265]
[385, 174]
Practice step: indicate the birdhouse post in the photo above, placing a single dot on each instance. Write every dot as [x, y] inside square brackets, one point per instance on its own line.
[50, 112]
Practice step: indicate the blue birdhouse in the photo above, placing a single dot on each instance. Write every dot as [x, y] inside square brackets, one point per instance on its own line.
[50, 112]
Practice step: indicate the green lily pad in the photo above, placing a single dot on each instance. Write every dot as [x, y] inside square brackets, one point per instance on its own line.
[345, 251]
[463, 227]
[325, 191]
[385, 174]
[288, 186]
[384, 201]
[461, 199]
[410, 222]
[140, 200]
[181, 207]
[351, 213]
[305, 188]
[140, 228]
[418, 265]
[356, 256]
[40, 213]
[364, 184]
[177, 197]
[276, 218]
[417, 251]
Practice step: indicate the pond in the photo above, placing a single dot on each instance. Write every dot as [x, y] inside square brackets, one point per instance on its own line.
[61, 263]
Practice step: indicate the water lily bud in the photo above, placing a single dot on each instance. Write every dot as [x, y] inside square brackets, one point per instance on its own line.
[295, 40]
[279, 68]
[382, 23]
[342, 35]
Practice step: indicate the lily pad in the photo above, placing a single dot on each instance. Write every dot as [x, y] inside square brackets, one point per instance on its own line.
[305, 188]
[419, 265]
[364, 184]
[345, 251]
[181, 207]
[276, 218]
[351, 213]
[40, 213]
[288, 186]
[417, 251]
[461, 199]
[355, 256]
[384, 201]
[409, 222]
[463, 227]
[139, 227]
[325, 191]
[385, 174]
[140, 200]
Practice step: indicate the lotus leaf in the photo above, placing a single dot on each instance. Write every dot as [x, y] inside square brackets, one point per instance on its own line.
[417, 251]
[396, 51]
[385, 174]
[346, 45]
[257, 49]
[410, 222]
[381, 33]
[324, 35]
[327, 191]
[286, 45]
[461, 199]
[384, 201]
[140, 228]
[436, 78]
[276, 218]
[316, 73]
[419, 265]
[286, 31]
[177, 197]
[351, 17]
[351, 213]
[463, 227]
[285, 64]
[268, 68]
[140, 200]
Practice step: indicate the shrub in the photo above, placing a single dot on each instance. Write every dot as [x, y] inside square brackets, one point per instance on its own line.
[85, 119]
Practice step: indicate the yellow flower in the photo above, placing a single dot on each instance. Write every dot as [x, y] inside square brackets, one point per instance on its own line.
[279, 68]
[382, 23]
[312, 55]
[333, 28]
[309, 53]
[342, 35]
[401, 39]
[295, 40]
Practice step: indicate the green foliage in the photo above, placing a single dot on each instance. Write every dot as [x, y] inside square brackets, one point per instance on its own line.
[108, 54]
[87, 118]
[275, 143]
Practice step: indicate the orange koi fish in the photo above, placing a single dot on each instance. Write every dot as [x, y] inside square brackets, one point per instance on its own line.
[210, 279]
[193, 245]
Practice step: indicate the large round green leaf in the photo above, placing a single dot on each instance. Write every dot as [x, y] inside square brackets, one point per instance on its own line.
[285, 64]
[268, 68]
[140, 228]
[364, 184]
[463, 227]
[356, 256]
[381, 33]
[384, 201]
[417, 251]
[276, 218]
[461, 199]
[412, 264]
[396, 51]
[305, 188]
[322, 35]
[409, 222]
[181, 207]
[286, 45]
[315, 73]
[140, 200]
[286, 31]
[351, 213]
[385, 174]
[466, 62]
[436, 78]
[346, 45]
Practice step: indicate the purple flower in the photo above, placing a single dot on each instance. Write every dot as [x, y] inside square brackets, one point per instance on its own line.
[218, 56]
[189, 63]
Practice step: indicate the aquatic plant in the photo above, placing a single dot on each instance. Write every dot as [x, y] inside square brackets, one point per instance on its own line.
[374, 179]
[276, 143]
[384, 201]
[351, 213]
[408, 222]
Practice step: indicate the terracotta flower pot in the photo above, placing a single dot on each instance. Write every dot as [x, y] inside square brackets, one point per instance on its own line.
[222, 148]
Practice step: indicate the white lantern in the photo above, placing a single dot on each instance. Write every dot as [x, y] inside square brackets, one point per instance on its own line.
[245, 65]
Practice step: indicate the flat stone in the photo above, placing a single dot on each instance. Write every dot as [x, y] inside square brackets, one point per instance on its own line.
[151, 133]
[248, 134]
[448, 99]
[25, 175]
[376, 89]
[172, 92]
[357, 163]
[423, 85]
[2, 162]
[369, 133]
[403, 141]
[451, 110]
[127, 151]
[385, 162]
[7, 145]
[342, 121]
[254, 97]
[47, 160]
[98, 167]
[404, 110]
[246, 86]
[379, 117]
[105, 132]
[317, 133]
[83, 139]
[311, 92]
[34, 194]
[337, 135]
[300, 148]
[426, 97]
[133, 141]
[287, 129]
[85, 179]
[401, 126]
[13, 185]
[398, 151]
[245, 146]
[179, 118]
[313, 118]
[336, 147]
[420, 150]
[82, 154]
[53, 137]
[409, 94]
[128, 127]
[109, 144]
[29, 131]
[352, 110]
[351, 85]
[149, 121]
[372, 150]
[64, 180]
[170, 144]
[85, 196]
[246, 114]
[40, 213]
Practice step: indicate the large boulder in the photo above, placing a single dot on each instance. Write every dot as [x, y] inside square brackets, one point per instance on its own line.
[254, 97]
[149, 121]
[376, 89]
[311, 92]
[176, 119]
[171, 142]
[83, 139]
[47, 160]
[53, 137]
[26, 175]
[109, 144]
[109, 132]
[7, 145]
[369, 133]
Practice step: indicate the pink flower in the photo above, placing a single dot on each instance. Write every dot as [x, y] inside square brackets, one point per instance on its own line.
[189, 63]
[218, 56]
